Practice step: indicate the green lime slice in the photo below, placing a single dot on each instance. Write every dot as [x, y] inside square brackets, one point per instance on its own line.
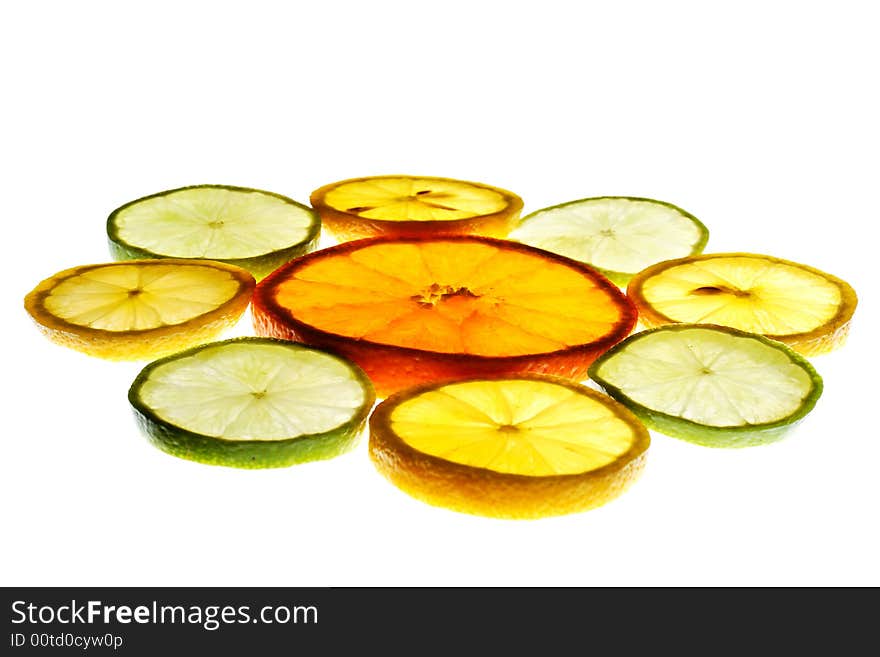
[256, 230]
[618, 235]
[711, 385]
[252, 403]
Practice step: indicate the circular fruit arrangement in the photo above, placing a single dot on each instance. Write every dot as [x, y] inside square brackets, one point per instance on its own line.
[479, 330]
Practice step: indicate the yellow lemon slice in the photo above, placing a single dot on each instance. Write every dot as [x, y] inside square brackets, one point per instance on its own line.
[803, 307]
[413, 206]
[523, 447]
[139, 309]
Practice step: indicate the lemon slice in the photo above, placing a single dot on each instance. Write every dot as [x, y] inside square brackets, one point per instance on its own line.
[523, 447]
[412, 206]
[139, 309]
[618, 235]
[806, 308]
[250, 228]
[711, 385]
[252, 403]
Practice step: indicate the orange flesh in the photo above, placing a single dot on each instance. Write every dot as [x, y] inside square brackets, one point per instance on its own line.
[456, 297]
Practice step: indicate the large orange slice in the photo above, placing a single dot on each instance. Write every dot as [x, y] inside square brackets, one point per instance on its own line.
[414, 206]
[412, 311]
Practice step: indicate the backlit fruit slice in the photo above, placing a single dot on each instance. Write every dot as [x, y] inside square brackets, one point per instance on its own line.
[140, 309]
[618, 235]
[523, 447]
[803, 307]
[412, 311]
[250, 228]
[711, 385]
[412, 206]
[252, 403]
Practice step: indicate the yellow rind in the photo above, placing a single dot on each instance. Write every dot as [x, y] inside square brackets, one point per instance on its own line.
[139, 344]
[826, 338]
[480, 491]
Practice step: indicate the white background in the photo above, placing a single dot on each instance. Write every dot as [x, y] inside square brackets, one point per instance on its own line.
[759, 118]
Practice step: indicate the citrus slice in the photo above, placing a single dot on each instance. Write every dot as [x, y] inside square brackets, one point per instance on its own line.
[249, 228]
[711, 385]
[139, 309]
[618, 235]
[803, 307]
[252, 403]
[412, 311]
[523, 447]
[412, 206]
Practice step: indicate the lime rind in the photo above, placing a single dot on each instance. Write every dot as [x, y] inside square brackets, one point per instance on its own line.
[653, 248]
[260, 264]
[733, 436]
[249, 453]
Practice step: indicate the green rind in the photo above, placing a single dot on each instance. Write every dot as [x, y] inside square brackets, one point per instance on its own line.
[705, 435]
[260, 266]
[622, 278]
[251, 454]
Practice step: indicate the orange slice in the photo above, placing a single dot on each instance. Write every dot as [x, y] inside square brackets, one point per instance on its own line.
[140, 309]
[524, 447]
[803, 307]
[412, 206]
[412, 311]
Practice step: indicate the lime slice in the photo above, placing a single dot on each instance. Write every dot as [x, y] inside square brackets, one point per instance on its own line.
[803, 307]
[618, 235]
[252, 403]
[139, 310]
[522, 447]
[253, 229]
[711, 385]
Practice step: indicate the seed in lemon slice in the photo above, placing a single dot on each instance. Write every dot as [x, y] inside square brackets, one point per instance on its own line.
[250, 228]
[711, 385]
[252, 403]
[618, 235]
[413, 206]
[803, 307]
[412, 311]
[522, 447]
[139, 309]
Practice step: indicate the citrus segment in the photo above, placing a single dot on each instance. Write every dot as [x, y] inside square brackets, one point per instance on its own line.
[412, 206]
[253, 229]
[523, 447]
[619, 235]
[806, 308]
[711, 385]
[252, 403]
[404, 311]
[139, 309]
